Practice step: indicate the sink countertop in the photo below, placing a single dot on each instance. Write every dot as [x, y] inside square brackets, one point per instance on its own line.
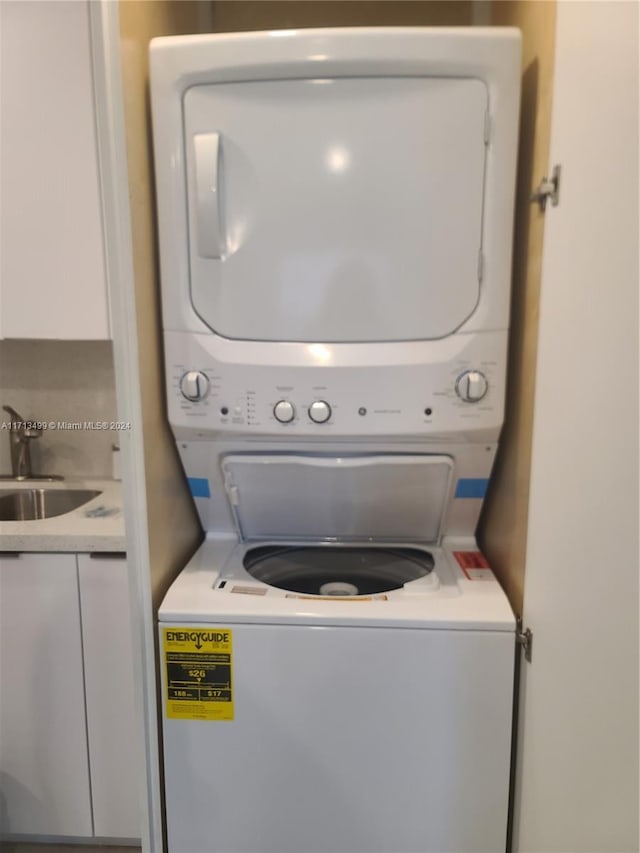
[72, 531]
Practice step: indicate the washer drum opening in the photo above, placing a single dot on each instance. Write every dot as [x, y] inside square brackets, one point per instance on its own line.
[329, 570]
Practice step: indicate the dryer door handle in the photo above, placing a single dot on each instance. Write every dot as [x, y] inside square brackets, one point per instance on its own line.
[207, 152]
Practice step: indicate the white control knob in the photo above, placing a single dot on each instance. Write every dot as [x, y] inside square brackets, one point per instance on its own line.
[471, 386]
[194, 385]
[319, 412]
[284, 412]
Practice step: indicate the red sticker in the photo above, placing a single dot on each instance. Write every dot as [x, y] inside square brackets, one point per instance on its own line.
[471, 560]
[474, 565]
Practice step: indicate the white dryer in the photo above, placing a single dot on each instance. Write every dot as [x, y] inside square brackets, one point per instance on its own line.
[335, 212]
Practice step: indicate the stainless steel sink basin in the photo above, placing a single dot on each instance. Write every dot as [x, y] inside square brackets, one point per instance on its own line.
[34, 504]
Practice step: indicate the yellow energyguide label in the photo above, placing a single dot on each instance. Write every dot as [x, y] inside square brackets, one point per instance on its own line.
[198, 668]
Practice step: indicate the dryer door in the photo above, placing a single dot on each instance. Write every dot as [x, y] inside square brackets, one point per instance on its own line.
[335, 210]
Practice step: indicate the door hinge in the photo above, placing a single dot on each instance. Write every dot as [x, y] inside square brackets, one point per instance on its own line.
[524, 638]
[548, 188]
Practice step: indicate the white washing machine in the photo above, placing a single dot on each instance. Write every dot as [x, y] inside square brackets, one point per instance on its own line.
[335, 211]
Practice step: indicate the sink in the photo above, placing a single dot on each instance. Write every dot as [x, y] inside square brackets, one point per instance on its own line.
[34, 504]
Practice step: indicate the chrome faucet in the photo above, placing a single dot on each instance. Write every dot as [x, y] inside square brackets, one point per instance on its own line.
[20, 436]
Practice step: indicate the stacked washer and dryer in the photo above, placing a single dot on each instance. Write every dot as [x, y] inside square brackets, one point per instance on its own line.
[335, 218]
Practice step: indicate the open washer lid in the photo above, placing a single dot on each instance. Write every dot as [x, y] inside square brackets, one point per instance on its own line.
[399, 498]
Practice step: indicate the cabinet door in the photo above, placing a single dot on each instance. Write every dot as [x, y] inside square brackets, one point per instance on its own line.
[114, 748]
[578, 757]
[44, 770]
[52, 265]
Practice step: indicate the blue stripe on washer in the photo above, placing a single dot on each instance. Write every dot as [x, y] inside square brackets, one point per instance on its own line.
[470, 487]
[199, 487]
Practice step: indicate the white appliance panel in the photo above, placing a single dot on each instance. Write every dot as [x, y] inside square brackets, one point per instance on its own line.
[392, 498]
[335, 209]
[348, 739]
[449, 599]
[395, 390]
[416, 57]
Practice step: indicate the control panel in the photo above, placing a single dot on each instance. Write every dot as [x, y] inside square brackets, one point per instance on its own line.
[462, 392]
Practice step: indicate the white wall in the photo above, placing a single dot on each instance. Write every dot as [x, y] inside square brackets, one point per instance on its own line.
[578, 771]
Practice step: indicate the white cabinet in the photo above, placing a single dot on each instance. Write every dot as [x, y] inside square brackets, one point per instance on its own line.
[111, 719]
[52, 274]
[44, 768]
[68, 737]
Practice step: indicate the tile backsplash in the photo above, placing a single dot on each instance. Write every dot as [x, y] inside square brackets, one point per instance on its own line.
[69, 385]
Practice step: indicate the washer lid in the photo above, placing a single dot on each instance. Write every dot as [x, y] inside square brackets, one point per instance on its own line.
[399, 498]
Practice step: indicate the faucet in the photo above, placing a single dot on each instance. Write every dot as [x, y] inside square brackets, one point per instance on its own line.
[20, 436]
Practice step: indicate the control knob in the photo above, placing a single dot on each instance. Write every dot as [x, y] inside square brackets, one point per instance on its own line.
[194, 385]
[319, 412]
[284, 411]
[471, 386]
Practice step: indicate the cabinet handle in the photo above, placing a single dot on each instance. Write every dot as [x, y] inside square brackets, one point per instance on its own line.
[108, 555]
[10, 555]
